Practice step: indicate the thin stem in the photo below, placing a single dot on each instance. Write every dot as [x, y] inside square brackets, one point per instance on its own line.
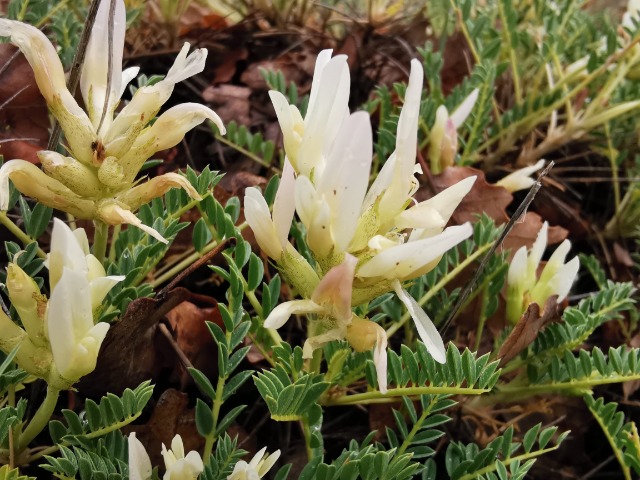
[394, 394]
[40, 419]
[180, 266]
[439, 286]
[100, 236]
[18, 233]
[247, 153]
[512, 53]
[616, 451]
[112, 247]
[507, 461]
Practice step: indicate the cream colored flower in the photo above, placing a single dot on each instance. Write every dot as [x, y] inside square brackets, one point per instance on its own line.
[180, 466]
[106, 150]
[139, 462]
[257, 468]
[520, 179]
[524, 286]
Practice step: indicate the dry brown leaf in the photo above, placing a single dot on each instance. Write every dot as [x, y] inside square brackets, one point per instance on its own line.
[527, 329]
[230, 102]
[483, 197]
[25, 118]
[524, 233]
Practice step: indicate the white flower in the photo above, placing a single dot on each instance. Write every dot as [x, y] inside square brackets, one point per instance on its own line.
[107, 152]
[330, 206]
[78, 284]
[308, 140]
[257, 468]
[523, 285]
[139, 462]
[330, 302]
[443, 138]
[520, 179]
[179, 466]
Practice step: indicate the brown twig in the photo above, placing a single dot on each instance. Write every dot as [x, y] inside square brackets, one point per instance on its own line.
[78, 60]
[512, 221]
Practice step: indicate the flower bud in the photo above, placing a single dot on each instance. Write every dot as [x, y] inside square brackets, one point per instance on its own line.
[30, 304]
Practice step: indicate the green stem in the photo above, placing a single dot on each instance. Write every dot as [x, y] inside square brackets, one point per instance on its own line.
[112, 248]
[616, 451]
[247, 153]
[579, 387]
[40, 419]
[507, 461]
[18, 233]
[439, 286]
[100, 237]
[512, 52]
[393, 394]
[417, 426]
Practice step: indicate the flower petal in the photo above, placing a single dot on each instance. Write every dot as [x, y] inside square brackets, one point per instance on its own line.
[404, 260]
[34, 183]
[426, 329]
[279, 315]
[346, 177]
[321, 125]
[166, 132]
[380, 359]
[444, 204]
[95, 69]
[284, 205]
[334, 290]
[520, 179]
[256, 212]
[115, 215]
[139, 462]
[461, 113]
[156, 187]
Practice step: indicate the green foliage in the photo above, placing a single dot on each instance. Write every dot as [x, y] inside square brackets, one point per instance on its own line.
[222, 461]
[252, 145]
[580, 322]
[64, 20]
[8, 473]
[290, 393]
[502, 458]
[10, 375]
[136, 254]
[623, 437]
[415, 437]
[87, 465]
[10, 416]
[367, 462]
[587, 369]
[275, 81]
[112, 413]
[419, 368]
[26, 259]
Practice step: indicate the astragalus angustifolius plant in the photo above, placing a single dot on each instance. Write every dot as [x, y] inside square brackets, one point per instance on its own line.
[369, 300]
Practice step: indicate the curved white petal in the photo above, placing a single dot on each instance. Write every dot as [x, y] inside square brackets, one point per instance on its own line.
[407, 136]
[426, 329]
[537, 250]
[461, 113]
[115, 215]
[518, 268]
[95, 69]
[101, 286]
[401, 261]
[520, 180]
[561, 282]
[380, 358]
[65, 252]
[156, 187]
[284, 205]
[279, 315]
[346, 177]
[139, 462]
[322, 124]
[256, 212]
[269, 461]
[323, 58]
[444, 204]
[128, 75]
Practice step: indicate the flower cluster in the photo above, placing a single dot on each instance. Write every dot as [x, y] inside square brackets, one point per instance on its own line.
[365, 241]
[257, 468]
[59, 341]
[524, 286]
[178, 465]
[97, 181]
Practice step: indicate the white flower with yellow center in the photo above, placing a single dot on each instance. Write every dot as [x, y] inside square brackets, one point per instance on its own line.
[106, 150]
